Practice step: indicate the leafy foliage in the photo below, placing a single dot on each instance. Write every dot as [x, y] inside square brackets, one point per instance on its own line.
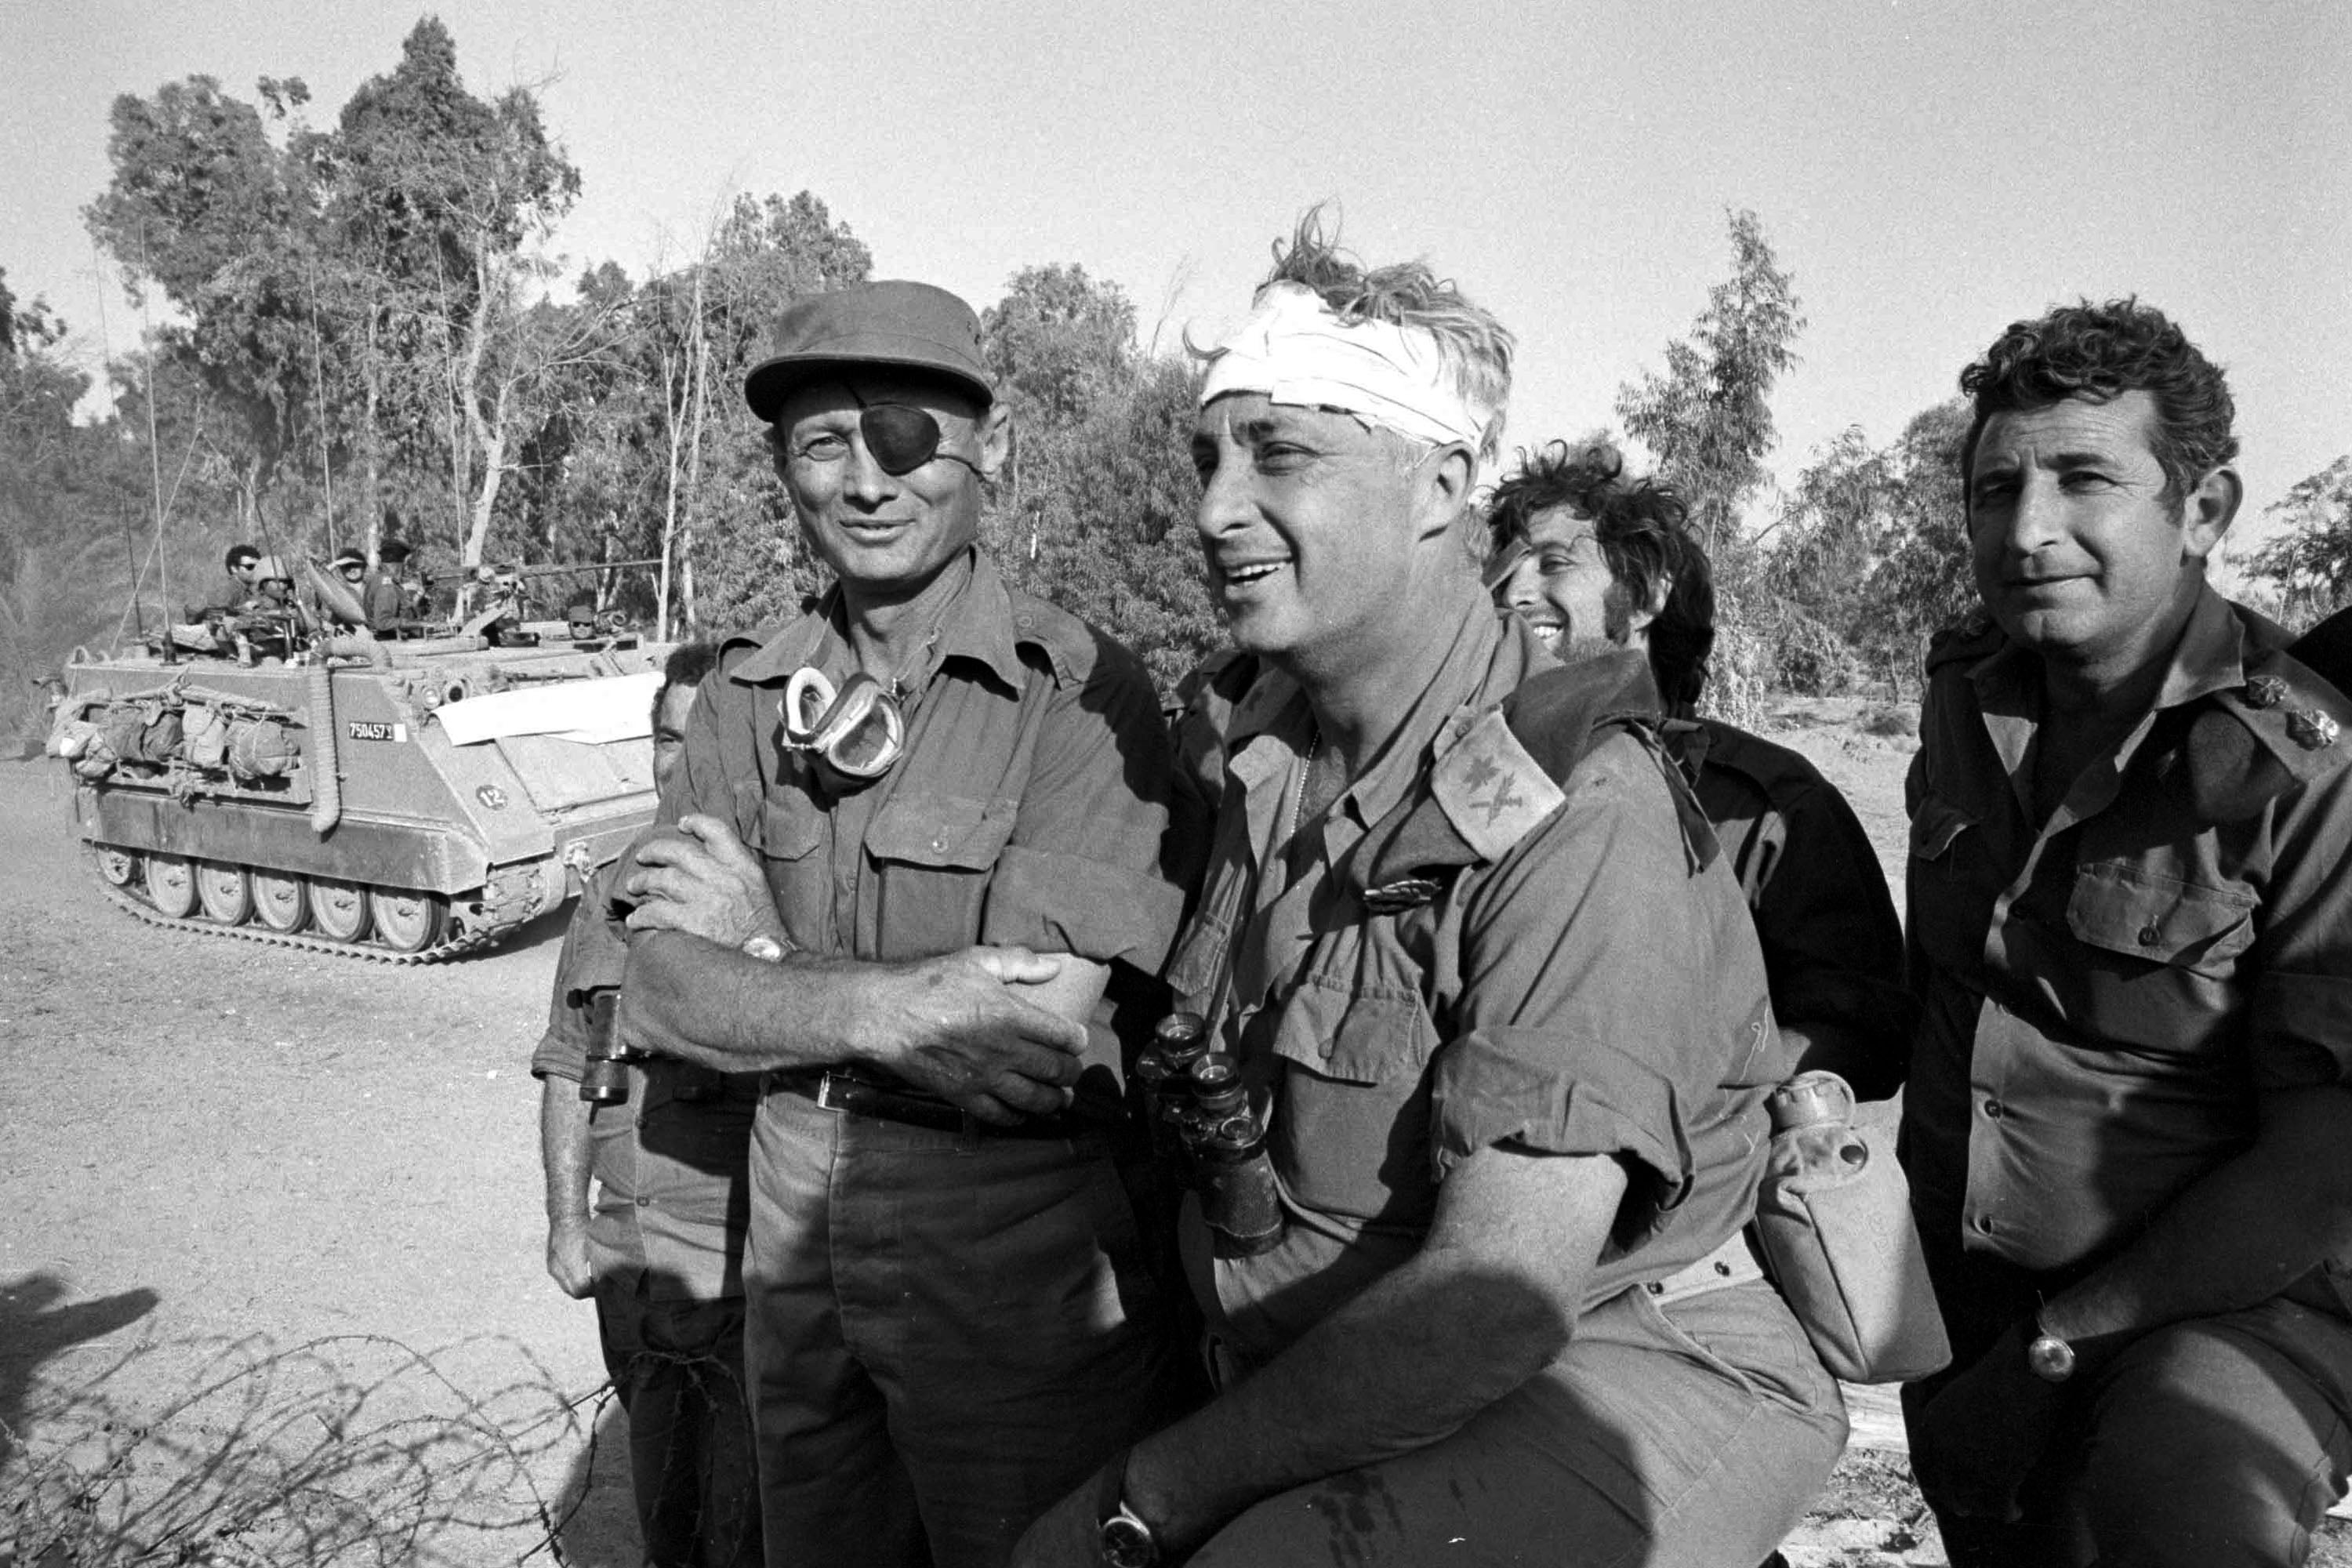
[2309, 561]
[1708, 419]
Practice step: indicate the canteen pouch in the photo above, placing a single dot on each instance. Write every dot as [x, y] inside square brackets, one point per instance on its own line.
[1833, 1224]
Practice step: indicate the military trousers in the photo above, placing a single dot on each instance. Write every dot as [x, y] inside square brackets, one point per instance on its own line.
[1686, 1434]
[2219, 1442]
[677, 1366]
[948, 1331]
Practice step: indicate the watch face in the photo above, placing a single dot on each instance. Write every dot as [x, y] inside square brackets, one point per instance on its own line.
[2051, 1359]
[1127, 1543]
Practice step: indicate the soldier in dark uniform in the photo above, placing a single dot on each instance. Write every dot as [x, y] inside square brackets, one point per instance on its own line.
[2126, 1123]
[1592, 562]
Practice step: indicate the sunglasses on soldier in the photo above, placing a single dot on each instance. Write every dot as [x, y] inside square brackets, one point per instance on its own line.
[899, 436]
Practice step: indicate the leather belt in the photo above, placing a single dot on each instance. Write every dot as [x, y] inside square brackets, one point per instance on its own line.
[847, 1094]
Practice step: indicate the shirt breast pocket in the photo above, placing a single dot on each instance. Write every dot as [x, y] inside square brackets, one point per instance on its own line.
[1354, 1136]
[2153, 918]
[1949, 890]
[2161, 953]
[932, 856]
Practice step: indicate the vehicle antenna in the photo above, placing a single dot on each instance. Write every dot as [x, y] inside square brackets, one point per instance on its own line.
[318, 392]
[155, 454]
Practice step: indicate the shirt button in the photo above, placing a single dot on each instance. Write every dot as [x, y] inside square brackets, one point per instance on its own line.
[1655, 1287]
[1995, 1110]
[644, 1203]
[2150, 936]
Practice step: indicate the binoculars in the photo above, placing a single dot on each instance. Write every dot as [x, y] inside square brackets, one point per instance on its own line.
[605, 1079]
[1198, 1111]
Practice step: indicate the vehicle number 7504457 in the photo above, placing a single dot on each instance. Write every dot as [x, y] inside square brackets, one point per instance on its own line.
[374, 730]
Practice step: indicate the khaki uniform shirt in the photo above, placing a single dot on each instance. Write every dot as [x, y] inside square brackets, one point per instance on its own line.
[1028, 808]
[2106, 992]
[1585, 991]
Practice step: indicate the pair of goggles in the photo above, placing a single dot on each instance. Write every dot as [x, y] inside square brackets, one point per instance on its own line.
[858, 732]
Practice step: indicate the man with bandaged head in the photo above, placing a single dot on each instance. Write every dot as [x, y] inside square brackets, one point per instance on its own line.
[1494, 992]
[915, 882]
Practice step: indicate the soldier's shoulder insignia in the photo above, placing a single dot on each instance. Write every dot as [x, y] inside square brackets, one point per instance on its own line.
[1491, 789]
[2283, 725]
[2312, 729]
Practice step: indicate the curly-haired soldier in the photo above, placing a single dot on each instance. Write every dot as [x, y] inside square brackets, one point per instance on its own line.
[2126, 1123]
[1592, 562]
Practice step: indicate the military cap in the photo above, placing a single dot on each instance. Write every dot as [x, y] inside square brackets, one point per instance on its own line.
[893, 324]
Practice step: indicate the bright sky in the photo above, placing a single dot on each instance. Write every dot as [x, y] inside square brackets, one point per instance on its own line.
[1929, 171]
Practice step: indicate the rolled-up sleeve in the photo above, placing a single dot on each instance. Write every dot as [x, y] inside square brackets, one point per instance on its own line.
[1081, 871]
[595, 952]
[2300, 1030]
[1608, 990]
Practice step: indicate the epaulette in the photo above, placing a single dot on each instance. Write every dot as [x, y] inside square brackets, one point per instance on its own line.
[1504, 774]
[1068, 643]
[2285, 726]
[1972, 637]
[732, 649]
[1776, 769]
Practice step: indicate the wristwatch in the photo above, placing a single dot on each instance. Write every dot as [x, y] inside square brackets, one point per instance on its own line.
[766, 948]
[2047, 1356]
[1125, 1540]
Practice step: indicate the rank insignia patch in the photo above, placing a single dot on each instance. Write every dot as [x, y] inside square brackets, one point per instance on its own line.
[2313, 731]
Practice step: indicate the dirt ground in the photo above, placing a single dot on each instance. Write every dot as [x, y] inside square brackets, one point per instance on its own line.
[271, 1290]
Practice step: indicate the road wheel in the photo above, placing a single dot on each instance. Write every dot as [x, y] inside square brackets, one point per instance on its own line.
[119, 866]
[171, 885]
[225, 891]
[281, 899]
[406, 921]
[339, 910]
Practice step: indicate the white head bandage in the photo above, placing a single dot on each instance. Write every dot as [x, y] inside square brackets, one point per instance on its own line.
[1293, 348]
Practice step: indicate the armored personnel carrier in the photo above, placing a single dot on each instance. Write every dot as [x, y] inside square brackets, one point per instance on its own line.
[403, 801]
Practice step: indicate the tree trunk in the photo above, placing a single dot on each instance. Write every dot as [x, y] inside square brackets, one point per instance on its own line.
[693, 618]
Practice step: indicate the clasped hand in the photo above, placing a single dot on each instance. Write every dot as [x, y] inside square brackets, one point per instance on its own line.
[700, 880]
[958, 1026]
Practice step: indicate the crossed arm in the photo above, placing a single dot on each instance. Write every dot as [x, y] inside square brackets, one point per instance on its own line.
[997, 1031]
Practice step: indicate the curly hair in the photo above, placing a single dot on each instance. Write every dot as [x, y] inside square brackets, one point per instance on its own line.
[2099, 352]
[1476, 347]
[1642, 529]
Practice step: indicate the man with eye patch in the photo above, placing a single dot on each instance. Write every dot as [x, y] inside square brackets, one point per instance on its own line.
[2127, 1122]
[916, 882]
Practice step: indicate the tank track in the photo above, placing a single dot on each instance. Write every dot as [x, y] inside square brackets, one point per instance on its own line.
[506, 906]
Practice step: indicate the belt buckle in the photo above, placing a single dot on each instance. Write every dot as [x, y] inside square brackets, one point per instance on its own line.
[829, 1086]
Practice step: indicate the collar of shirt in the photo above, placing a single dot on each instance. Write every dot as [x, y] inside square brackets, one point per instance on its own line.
[2208, 657]
[979, 625]
[1273, 727]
